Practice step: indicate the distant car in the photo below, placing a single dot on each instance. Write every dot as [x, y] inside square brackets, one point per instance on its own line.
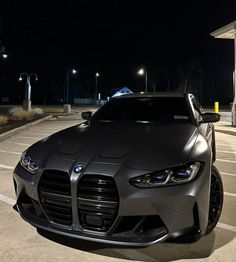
[138, 171]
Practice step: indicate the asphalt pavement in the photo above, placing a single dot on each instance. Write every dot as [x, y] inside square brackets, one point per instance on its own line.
[21, 242]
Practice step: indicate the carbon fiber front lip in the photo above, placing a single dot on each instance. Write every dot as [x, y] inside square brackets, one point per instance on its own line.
[79, 235]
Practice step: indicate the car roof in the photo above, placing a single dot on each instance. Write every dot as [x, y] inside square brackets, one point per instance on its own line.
[151, 94]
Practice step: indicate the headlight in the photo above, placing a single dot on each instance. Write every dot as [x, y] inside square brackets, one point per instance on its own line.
[28, 164]
[166, 177]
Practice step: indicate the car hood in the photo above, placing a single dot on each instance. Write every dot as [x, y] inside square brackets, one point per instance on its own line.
[139, 146]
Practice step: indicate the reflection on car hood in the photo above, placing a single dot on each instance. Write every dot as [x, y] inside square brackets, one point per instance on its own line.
[140, 146]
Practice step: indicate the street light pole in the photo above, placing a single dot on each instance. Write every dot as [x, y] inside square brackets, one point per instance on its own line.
[146, 81]
[27, 101]
[234, 87]
[67, 106]
[96, 85]
[142, 72]
[3, 54]
[67, 87]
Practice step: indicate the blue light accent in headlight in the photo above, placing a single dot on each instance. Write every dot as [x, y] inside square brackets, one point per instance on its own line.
[175, 175]
[152, 179]
[28, 164]
[183, 173]
[186, 174]
[159, 178]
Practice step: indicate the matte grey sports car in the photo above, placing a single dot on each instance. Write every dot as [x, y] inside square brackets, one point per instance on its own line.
[138, 171]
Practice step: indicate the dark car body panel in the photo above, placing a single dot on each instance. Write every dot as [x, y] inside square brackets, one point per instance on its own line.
[120, 144]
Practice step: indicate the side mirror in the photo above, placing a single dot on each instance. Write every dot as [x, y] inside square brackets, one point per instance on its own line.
[209, 118]
[86, 115]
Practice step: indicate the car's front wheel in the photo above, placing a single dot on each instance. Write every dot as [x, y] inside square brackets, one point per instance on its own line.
[216, 199]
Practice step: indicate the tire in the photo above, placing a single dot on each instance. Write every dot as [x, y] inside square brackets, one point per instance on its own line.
[216, 199]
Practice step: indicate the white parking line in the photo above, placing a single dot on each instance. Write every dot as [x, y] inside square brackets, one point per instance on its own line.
[227, 174]
[225, 140]
[6, 167]
[29, 137]
[20, 144]
[226, 160]
[229, 194]
[229, 144]
[10, 152]
[37, 133]
[7, 200]
[42, 128]
[228, 152]
[227, 227]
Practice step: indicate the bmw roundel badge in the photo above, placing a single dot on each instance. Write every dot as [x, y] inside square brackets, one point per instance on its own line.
[78, 169]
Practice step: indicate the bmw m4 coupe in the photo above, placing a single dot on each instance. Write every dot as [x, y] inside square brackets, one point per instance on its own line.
[137, 172]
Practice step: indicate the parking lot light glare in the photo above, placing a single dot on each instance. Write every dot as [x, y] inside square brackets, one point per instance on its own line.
[74, 71]
[141, 71]
[5, 56]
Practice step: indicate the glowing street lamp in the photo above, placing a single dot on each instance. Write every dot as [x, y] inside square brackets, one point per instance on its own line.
[3, 53]
[27, 101]
[142, 72]
[4, 56]
[73, 72]
[97, 75]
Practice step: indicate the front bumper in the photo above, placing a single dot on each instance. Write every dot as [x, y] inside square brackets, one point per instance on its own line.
[144, 216]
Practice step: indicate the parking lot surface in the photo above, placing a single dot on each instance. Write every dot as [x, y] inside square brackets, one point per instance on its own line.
[21, 242]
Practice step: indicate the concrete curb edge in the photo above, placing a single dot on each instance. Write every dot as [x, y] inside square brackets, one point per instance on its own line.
[227, 132]
[16, 130]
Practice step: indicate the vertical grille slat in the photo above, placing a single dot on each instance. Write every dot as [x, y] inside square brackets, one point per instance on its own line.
[98, 202]
[55, 196]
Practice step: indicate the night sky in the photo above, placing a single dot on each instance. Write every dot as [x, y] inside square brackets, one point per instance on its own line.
[116, 38]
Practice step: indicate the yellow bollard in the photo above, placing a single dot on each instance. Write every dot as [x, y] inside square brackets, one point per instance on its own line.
[216, 107]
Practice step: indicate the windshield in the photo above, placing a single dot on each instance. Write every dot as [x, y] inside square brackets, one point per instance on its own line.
[154, 109]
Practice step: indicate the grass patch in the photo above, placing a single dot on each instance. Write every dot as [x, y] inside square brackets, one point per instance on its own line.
[18, 114]
[3, 120]
[21, 115]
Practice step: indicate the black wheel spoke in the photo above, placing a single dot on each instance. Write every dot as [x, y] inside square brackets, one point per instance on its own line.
[215, 199]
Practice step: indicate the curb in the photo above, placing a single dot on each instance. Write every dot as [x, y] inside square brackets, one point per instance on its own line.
[227, 132]
[16, 130]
